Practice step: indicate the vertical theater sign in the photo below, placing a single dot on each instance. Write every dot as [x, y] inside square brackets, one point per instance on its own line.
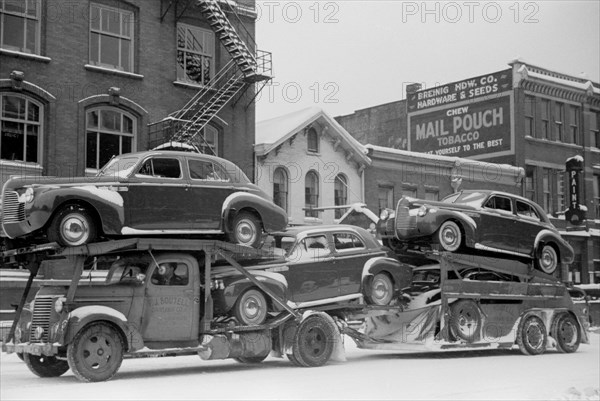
[471, 118]
[575, 213]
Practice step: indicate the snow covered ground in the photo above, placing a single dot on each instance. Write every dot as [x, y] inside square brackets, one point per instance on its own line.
[372, 375]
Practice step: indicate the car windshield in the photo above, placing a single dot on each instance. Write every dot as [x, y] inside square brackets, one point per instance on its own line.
[466, 198]
[426, 276]
[119, 166]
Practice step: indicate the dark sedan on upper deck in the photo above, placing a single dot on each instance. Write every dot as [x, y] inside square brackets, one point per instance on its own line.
[144, 193]
[480, 219]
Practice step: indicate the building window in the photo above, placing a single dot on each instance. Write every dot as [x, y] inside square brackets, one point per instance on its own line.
[558, 122]
[386, 197]
[195, 54]
[280, 188]
[311, 194]
[20, 25]
[111, 37]
[409, 191]
[109, 132]
[530, 183]
[312, 139]
[432, 195]
[209, 141]
[547, 190]
[574, 125]
[340, 194]
[545, 117]
[21, 128]
[595, 129]
[530, 116]
[597, 196]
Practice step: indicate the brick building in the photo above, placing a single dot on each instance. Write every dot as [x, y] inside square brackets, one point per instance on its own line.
[524, 116]
[83, 80]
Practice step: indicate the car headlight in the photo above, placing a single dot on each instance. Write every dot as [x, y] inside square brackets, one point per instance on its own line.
[422, 211]
[59, 304]
[29, 195]
[384, 215]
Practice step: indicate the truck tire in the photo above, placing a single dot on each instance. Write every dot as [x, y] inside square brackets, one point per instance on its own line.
[313, 342]
[251, 308]
[565, 331]
[465, 320]
[449, 236]
[251, 359]
[72, 226]
[382, 290]
[45, 366]
[246, 230]
[96, 352]
[532, 336]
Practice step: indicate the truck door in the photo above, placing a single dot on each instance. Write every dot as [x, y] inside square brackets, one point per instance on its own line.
[171, 309]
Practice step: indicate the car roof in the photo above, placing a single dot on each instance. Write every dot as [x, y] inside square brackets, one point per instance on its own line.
[325, 228]
[176, 153]
[494, 192]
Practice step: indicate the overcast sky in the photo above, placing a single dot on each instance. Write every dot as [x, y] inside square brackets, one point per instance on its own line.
[352, 54]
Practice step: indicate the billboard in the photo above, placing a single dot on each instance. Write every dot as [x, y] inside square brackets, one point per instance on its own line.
[471, 118]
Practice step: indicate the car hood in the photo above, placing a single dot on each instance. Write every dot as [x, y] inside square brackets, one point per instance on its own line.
[413, 204]
[42, 181]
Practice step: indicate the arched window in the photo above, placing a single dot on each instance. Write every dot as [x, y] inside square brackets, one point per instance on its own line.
[340, 194]
[311, 193]
[21, 128]
[280, 188]
[109, 132]
[312, 139]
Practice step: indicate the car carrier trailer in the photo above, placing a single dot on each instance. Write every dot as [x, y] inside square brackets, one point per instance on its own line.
[64, 326]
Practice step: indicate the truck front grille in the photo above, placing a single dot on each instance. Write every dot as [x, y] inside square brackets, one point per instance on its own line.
[42, 311]
[13, 211]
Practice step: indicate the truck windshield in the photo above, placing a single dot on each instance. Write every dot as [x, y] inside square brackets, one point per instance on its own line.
[119, 166]
[125, 270]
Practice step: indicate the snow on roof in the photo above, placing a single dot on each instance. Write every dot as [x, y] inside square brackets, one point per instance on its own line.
[271, 133]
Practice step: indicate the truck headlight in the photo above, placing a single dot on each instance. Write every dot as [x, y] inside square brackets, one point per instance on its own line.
[59, 304]
[385, 214]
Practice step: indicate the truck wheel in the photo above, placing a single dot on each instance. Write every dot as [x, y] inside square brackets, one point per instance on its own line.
[532, 336]
[313, 342]
[294, 361]
[251, 359]
[96, 353]
[548, 260]
[246, 230]
[449, 236]
[72, 226]
[565, 331]
[251, 308]
[45, 366]
[465, 320]
[382, 290]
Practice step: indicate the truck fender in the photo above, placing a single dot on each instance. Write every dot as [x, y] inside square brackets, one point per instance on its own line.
[272, 217]
[275, 282]
[81, 317]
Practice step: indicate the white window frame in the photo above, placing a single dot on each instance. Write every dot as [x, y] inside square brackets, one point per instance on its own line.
[99, 130]
[208, 39]
[124, 15]
[39, 124]
[286, 183]
[307, 212]
[26, 17]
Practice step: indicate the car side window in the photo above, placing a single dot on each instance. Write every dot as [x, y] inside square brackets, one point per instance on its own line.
[499, 203]
[347, 241]
[206, 170]
[161, 167]
[525, 210]
[310, 249]
[171, 273]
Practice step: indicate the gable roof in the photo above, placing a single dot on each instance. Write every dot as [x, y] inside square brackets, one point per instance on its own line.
[273, 132]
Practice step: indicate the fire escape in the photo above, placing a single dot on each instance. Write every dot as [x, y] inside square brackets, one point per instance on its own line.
[246, 68]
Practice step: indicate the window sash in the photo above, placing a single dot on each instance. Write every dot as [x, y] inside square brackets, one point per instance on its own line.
[108, 47]
[200, 57]
[103, 142]
[23, 131]
[22, 26]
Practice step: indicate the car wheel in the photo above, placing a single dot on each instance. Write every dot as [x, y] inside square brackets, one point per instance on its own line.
[251, 308]
[96, 353]
[251, 359]
[566, 333]
[246, 230]
[465, 320]
[45, 366]
[382, 290]
[532, 336]
[313, 342]
[548, 260]
[449, 236]
[72, 226]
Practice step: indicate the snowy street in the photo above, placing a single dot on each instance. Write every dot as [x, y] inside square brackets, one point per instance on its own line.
[374, 375]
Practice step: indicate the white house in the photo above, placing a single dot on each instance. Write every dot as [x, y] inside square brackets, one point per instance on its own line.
[309, 164]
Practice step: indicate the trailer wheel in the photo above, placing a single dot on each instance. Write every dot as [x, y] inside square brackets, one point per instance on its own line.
[72, 226]
[532, 336]
[45, 366]
[566, 332]
[313, 342]
[465, 320]
[251, 308]
[96, 353]
[548, 260]
[246, 230]
[449, 236]
[251, 359]
[382, 290]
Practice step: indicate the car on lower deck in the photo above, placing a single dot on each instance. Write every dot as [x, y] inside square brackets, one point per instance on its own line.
[141, 194]
[482, 220]
[319, 265]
